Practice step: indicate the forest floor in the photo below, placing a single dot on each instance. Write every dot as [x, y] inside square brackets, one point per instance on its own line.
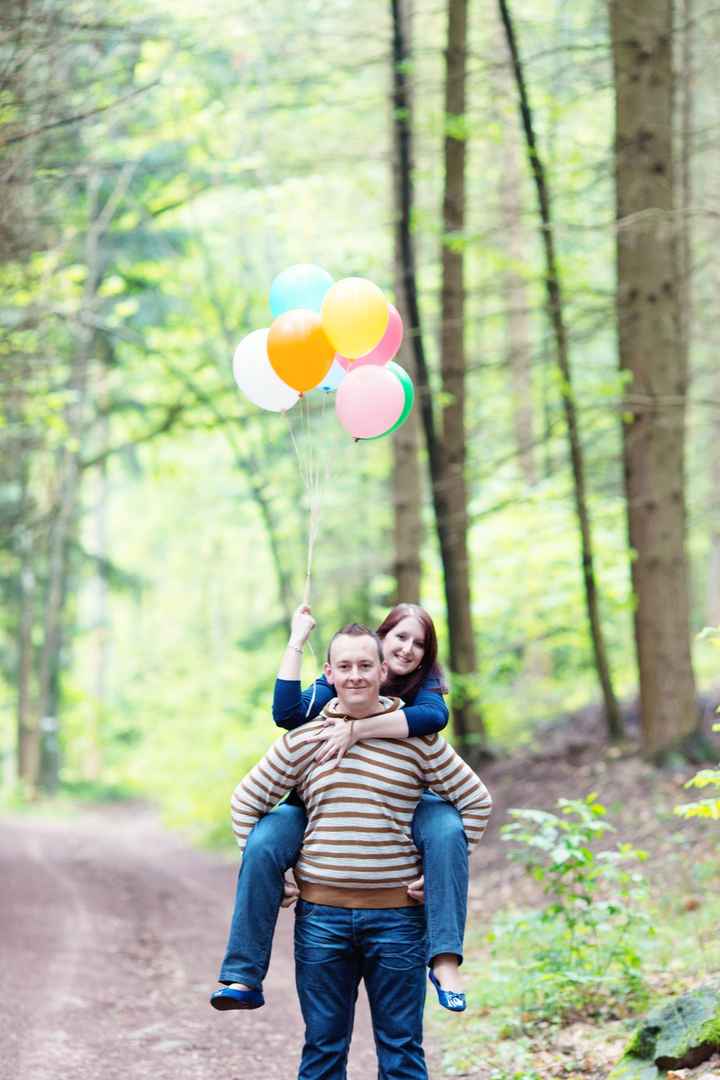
[111, 935]
[682, 870]
[111, 931]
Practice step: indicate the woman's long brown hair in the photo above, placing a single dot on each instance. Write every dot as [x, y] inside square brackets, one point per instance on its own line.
[407, 686]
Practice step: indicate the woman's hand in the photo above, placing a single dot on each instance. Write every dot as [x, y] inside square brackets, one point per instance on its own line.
[301, 626]
[416, 890]
[290, 893]
[336, 737]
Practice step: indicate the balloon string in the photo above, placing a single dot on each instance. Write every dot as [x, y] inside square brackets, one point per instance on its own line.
[314, 685]
[318, 461]
[314, 468]
[314, 519]
[308, 467]
[296, 448]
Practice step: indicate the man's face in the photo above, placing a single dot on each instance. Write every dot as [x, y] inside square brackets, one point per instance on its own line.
[357, 672]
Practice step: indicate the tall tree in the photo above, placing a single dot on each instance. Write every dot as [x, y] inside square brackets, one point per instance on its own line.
[406, 476]
[516, 292]
[651, 353]
[446, 463]
[556, 313]
[463, 659]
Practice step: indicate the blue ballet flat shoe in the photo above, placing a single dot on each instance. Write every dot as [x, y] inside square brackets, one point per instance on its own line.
[229, 998]
[448, 998]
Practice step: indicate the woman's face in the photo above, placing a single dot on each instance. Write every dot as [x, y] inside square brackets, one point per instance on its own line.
[404, 646]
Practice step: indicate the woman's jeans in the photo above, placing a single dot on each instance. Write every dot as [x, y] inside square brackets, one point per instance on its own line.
[273, 847]
[334, 949]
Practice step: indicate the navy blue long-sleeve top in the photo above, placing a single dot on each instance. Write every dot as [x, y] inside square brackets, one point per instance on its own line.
[425, 713]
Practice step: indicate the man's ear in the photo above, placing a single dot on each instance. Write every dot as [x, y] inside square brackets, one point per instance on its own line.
[328, 673]
[383, 672]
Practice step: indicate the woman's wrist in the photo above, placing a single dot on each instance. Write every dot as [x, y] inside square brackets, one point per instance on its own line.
[295, 646]
[383, 726]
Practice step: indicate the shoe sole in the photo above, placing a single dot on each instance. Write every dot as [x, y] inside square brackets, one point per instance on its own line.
[223, 1004]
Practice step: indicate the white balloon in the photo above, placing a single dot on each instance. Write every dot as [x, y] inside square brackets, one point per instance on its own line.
[257, 379]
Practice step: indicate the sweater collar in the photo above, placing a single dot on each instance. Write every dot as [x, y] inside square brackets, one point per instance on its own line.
[335, 712]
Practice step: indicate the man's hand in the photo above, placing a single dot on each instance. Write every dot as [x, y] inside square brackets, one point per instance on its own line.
[291, 893]
[336, 738]
[301, 626]
[416, 890]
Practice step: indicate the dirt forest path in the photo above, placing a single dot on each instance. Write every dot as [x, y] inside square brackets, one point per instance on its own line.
[111, 933]
[112, 928]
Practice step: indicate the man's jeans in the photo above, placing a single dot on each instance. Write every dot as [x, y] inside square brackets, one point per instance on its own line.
[273, 846]
[334, 949]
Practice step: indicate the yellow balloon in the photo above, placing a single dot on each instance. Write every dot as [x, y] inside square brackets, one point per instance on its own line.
[354, 316]
[298, 349]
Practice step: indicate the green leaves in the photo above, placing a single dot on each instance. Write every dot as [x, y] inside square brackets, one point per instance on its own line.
[457, 126]
[705, 808]
[582, 946]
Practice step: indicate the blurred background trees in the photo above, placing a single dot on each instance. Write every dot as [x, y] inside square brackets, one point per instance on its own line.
[159, 166]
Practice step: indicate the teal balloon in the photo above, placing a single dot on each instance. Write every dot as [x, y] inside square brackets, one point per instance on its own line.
[300, 286]
[409, 391]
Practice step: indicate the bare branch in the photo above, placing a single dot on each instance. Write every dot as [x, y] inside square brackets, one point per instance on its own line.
[78, 117]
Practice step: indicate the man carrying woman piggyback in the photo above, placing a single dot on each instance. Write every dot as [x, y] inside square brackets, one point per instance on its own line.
[412, 708]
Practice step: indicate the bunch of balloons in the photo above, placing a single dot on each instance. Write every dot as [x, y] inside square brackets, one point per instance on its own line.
[328, 336]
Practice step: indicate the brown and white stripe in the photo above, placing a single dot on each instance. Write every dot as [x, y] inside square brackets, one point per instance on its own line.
[358, 849]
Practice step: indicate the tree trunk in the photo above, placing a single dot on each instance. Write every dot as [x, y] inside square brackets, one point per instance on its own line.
[651, 352]
[518, 349]
[556, 314]
[28, 733]
[518, 352]
[63, 525]
[54, 604]
[712, 601]
[713, 584]
[406, 479]
[100, 622]
[463, 662]
[467, 718]
[407, 495]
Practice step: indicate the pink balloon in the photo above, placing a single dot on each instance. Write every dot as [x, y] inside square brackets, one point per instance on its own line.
[368, 401]
[386, 348]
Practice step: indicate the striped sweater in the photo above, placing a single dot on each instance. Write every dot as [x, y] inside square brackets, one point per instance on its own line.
[358, 849]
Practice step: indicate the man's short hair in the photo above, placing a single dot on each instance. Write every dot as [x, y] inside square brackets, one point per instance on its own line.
[355, 629]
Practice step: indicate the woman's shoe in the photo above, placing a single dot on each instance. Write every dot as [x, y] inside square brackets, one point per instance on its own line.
[228, 998]
[449, 999]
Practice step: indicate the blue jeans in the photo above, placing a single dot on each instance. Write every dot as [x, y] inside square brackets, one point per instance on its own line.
[273, 847]
[334, 949]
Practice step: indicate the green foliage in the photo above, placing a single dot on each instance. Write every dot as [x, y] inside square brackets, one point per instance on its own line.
[510, 1041]
[231, 147]
[705, 808]
[524, 1074]
[581, 949]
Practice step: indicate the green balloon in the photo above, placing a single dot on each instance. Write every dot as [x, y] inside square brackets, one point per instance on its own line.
[409, 392]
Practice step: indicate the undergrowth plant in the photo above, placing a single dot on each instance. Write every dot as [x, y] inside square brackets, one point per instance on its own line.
[581, 949]
[708, 808]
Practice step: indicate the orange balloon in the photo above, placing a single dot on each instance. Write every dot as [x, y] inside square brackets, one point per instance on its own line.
[298, 349]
